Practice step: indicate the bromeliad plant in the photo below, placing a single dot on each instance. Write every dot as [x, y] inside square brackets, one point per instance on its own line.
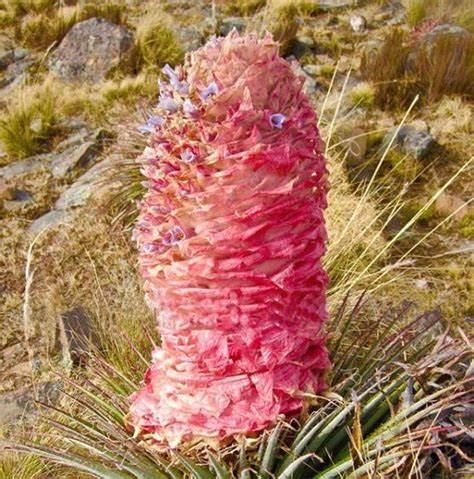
[397, 399]
[398, 387]
[231, 235]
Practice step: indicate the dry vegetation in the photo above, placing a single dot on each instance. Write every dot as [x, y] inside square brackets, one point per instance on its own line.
[385, 232]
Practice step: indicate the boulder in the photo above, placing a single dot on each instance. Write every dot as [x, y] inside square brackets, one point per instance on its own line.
[229, 23]
[447, 204]
[50, 220]
[328, 4]
[17, 200]
[91, 50]
[15, 405]
[76, 151]
[358, 23]
[412, 140]
[77, 335]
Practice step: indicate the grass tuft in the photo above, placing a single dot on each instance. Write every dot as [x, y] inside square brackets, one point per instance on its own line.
[50, 25]
[242, 7]
[29, 122]
[446, 67]
[156, 41]
[386, 70]
[280, 18]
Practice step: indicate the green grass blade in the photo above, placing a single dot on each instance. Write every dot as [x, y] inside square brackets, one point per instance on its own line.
[269, 456]
[70, 459]
[198, 472]
[293, 467]
[220, 470]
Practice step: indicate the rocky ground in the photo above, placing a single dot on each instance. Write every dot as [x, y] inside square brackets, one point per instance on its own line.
[74, 77]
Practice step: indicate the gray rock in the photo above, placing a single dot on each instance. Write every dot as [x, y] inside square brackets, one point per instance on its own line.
[85, 188]
[328, 4]
[444, 30]
[6, 57]
[20, 53]
[27, 166]
[358, 23]
[20, 404]
[73, 157]
[15, 73]
[77, 151]
[413, 141]
[77, 335]
[18, 199]
[91, 50]
[427, 41]
[310, 84]
[191, 38]
[229, 23]
[50, 220]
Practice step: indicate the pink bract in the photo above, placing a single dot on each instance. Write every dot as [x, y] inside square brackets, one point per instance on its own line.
[231, 235]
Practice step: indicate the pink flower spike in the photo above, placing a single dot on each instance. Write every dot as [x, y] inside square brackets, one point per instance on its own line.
[231, 238]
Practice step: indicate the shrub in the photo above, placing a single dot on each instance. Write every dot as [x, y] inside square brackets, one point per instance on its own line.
[47, 27]
[362, 95]
[242, 7]
[386, 69]
[445, 66]
[29, 122]
[280, 18]
[156, 41]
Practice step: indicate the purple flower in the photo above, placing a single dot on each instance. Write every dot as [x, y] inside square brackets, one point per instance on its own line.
[180, 86]
[187, 156]
[152, 247]
[174, 235]
[188, 108]
[277, 120]
[152, 123]
[168, 104]
[170, 73]
[210, 90]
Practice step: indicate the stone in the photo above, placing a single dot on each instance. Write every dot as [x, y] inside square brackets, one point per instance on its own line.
[20, 404]
[18, 199]
[447, 204]
[310, 84]
[355, 143]
[425, 41]
[413, 141]
[20, 53]
[328, 4]
[77, 335]
[15, 74]
[358, 23]
[444, 30]
[229, 23]
[73, 157]
[49, 220]
[89, 186]
[27, 166]
[190, 38]
[6, 57]
[85, 188]
[90, 50]
[76, 151]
